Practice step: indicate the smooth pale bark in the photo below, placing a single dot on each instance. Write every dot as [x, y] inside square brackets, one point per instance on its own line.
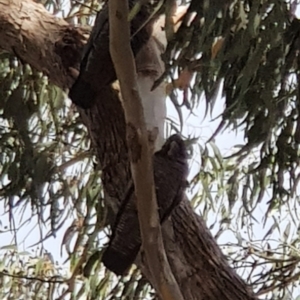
[140, 153]
[53, 46]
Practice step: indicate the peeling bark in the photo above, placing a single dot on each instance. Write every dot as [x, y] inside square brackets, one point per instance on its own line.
[52, 46]
[47, 43]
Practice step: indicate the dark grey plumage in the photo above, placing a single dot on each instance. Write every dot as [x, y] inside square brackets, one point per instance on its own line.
[96, 68]
[170, 175]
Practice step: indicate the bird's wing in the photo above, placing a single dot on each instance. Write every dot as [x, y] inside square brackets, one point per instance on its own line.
[96, 68]
[170, 173]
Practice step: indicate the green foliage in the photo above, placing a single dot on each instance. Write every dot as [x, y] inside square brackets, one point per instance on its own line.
[37, 147]
[49, 177]
[250, 199]
[249, 50]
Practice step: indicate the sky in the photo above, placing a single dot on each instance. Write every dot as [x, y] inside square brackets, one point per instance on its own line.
[194, 125]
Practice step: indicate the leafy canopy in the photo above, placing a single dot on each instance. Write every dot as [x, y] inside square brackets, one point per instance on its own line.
[248, 50]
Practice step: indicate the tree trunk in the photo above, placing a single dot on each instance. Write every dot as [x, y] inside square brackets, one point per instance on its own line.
[53, 46]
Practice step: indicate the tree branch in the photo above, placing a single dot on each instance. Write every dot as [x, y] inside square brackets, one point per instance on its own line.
[196, 261]
[140, 154]
[47, 43]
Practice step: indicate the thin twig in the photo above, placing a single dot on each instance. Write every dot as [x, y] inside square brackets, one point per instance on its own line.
[33, 278]
[170, 9]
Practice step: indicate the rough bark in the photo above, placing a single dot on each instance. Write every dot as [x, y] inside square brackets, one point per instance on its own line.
[52, 46]
[46, 43]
